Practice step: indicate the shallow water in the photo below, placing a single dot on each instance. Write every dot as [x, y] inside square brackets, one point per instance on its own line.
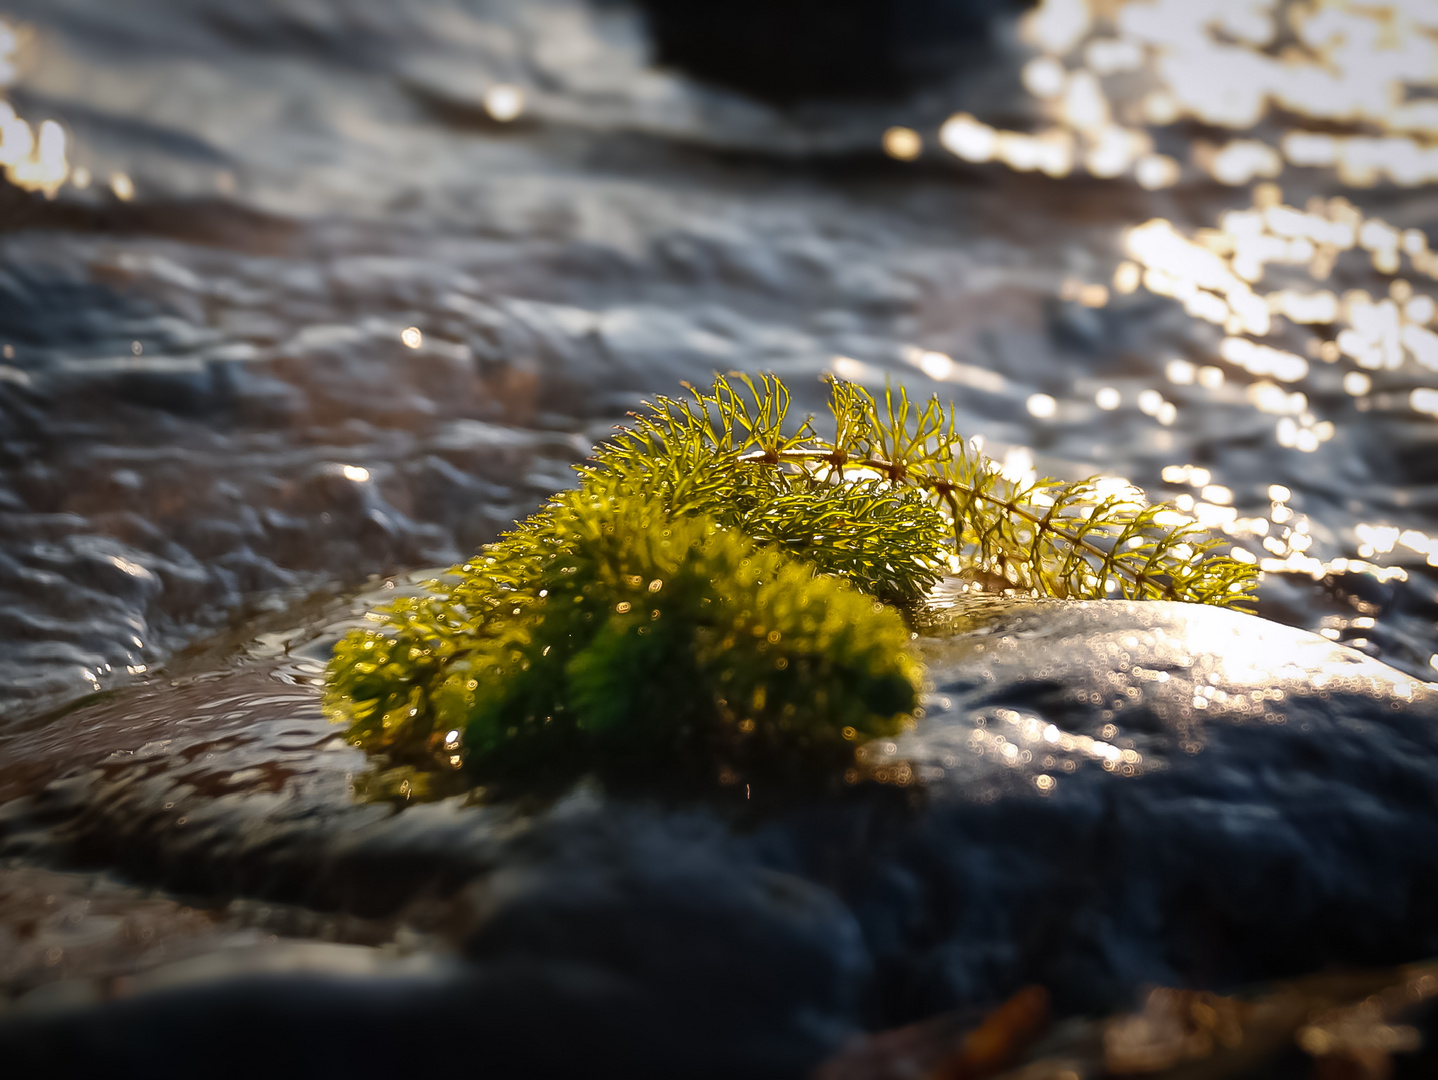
[210, 407]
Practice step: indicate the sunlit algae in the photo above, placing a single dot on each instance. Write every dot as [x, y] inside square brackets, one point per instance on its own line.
[722, 595]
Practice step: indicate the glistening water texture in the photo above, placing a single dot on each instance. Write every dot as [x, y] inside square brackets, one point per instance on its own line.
[294, 294]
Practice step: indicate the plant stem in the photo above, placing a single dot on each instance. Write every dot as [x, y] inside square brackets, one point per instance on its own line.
[948, 490]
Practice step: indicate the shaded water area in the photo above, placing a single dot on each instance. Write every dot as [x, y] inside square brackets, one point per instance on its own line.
[305, 298]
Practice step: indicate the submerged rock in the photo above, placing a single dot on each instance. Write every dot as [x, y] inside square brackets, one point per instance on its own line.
[805, 49]
[1100, 795]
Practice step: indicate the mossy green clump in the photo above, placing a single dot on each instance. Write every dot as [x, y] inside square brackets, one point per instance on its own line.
[718, 594]
[632, 639]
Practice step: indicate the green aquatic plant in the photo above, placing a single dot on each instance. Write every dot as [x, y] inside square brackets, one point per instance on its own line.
[723, 590]
[609, 631]
[942, 505]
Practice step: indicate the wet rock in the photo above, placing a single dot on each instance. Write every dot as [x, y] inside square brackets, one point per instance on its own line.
[626, 893]
[301, 1011]
[65, 934]
[1215, 799]
[1100, 795]
[805, 48]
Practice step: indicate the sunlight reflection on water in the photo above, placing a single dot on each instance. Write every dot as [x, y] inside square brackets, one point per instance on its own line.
[1111, 75]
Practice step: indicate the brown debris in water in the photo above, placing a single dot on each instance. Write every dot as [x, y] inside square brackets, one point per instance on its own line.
[1347, 1026]
[943, 1048]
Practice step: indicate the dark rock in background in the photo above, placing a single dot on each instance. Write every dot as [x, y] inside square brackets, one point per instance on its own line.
[794, 49]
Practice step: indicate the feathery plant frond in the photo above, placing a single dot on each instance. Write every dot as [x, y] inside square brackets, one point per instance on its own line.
[707, 456]
[1078, 539]
[1082, 540]
[700, 596]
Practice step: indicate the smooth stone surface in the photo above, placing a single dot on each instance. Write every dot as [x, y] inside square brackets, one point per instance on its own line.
[1100, 795]
[333, 1014]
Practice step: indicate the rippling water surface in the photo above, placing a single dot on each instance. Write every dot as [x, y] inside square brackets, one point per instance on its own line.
[293, 294]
